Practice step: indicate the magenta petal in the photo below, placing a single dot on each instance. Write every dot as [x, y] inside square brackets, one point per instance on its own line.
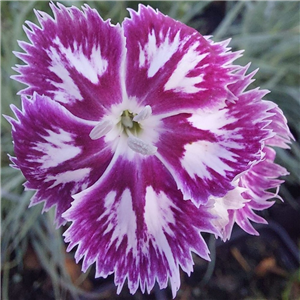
[55, 153]
[75, 59]
[208, 150]
[262, 177]
[171, 67]
[133, 222]
[279, 126]
[259, 183]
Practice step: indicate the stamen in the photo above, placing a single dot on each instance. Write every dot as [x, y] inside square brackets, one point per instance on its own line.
[101, 129]
[140, 146]
[143, 114]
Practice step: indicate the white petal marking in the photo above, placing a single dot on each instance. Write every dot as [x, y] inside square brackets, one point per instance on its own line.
[58, 148]
[158, 217]
[179, 82]
[211, 121]
[157, 56]
[90, 67]
[201, 155]
[214, 122]
[67, 89]
[142, 57]
[122, 220]
[79, 176]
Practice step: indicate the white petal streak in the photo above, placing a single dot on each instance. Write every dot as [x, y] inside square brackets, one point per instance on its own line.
[121, 219]
[206, 155]
[212, 121]
[156, 56]
[158, 217]
[67, 90]
[179, 82]
[77, 176]
[90, 67]
[58, 148]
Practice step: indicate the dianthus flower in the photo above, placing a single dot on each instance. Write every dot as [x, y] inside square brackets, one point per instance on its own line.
[143, 137]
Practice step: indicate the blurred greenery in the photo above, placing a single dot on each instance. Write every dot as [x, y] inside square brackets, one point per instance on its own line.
[269, 33]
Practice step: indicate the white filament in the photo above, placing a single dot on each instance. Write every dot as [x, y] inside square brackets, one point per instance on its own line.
[101, 129]
[143, 114]
[140, 146]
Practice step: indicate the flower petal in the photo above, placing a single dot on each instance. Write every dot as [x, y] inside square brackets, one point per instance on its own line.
[256, 184]
[221, 208]
[278, 125]
[208, 150]
[134, 222]
[259, 181]
[75, 59]
[55, 153]
[171, 67]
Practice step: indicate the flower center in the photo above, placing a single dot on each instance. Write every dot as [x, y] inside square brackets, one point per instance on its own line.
[128, 124]
[132, 125]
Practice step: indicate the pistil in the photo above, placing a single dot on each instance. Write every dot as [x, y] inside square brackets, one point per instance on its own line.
[126, 119]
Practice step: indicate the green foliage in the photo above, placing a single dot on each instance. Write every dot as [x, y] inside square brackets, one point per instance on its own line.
[267, 30]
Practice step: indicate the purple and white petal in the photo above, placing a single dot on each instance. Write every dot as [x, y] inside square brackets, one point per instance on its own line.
[259, 185]
[279, 126]
[221, 208]
[261, 182]
[134, 223]
[76, 59]
[173, 68]
[55, 153]
[208, 150]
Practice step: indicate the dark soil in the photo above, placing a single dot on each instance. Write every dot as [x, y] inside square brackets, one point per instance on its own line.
[246, 267]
